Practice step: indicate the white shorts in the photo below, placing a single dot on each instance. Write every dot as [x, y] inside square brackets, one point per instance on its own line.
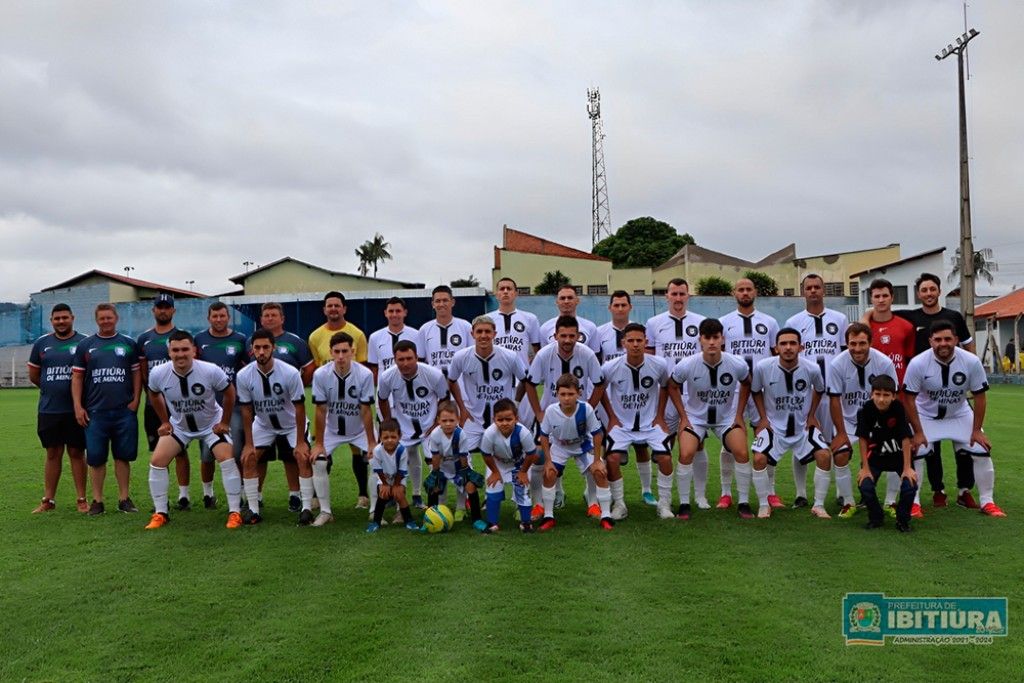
[671, 418]
[508, 470]
[701, 431]
[955, 429]
[803, 445]
[559, 458]
[265, 438]
[619, 440]
[472, 433]
[824, 415]
[332, 440]
[207, 439]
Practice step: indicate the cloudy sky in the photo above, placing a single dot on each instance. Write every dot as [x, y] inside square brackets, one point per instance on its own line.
[184, 138]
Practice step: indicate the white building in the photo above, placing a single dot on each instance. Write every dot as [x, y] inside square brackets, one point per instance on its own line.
[902, 275]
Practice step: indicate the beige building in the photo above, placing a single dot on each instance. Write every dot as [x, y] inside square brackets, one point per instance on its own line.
[110, 287]
[289, 275]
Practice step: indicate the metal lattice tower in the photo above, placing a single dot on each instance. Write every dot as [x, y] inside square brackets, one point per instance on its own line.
[600, 213]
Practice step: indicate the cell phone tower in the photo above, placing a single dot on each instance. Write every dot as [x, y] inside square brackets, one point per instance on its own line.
[601, 214]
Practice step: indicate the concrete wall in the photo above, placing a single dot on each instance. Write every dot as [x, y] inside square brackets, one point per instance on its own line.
[289, 277]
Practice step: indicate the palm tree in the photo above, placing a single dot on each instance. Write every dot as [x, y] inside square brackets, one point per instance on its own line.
[364, 260]
[983, 265]
[373, 252]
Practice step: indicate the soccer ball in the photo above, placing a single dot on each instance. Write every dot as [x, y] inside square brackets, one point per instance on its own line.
[438, 519]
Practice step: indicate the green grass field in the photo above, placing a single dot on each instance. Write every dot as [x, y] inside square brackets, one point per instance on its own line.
[716, 598]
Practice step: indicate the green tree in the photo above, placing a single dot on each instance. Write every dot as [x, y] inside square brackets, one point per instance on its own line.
[372, 253]
[364, 259]
[550, 283]
[764, 283]
[470, 281]
[984, 266]
[642, 242]
[714, 286]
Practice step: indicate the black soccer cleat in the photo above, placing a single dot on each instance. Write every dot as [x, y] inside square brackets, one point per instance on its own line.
[210, 502]
[800, 502]
[744, 511]
[96, 508]
[252, 518]
[873, 525]
[294, 504]
[305, 518]
[184, 503]
[684, 511]
[903, 527]
[127, 505]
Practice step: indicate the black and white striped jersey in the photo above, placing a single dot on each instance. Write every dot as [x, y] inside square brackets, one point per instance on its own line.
[710, 390]
[941, 388]
[485, 381]
[272, 395]
[344, 396]
[634, 391]
[413, 400]
[787, 393]
[191, 398]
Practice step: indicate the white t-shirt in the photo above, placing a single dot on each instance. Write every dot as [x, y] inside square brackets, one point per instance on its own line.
[438, 344]
[942, 388]
[609, 339]
[674, 338]
[413, 400]
[751, 337]
[634, 391]
[517, 331]
[191, 398]
[548, 366]
[711, 390]
[450, 448]
[823, 336]
[787, 393]
[344, 397]
[852, 382]
[587, 329]
[563, 431]
[380, 347]
[486, 381]
[509, 449]
[273, 396]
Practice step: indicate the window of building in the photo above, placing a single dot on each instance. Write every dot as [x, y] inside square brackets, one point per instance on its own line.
[639, 292]
[853, 289]
[788, 291]
[597, 289]
[834, 289]
[899, 294]
[659, 292]
[523, 291]
[579, 290]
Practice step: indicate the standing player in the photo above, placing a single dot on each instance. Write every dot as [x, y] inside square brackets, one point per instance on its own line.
[610, 334]
[441, 338]
[183, 392]
[566, 355]
[935, 393]
[849, 389]
[567, 300]
[105, 389]
[509, 451]
[153, 352]
[674, 335]
[787, 390]
[717, 387]
[749, 334]
[380, 354]
[518, 331]
[479, 377]
[410, 391]
[890, 334]
[634, 399]
[225, 348]
[343, 396]
[335, 309]
[823, 334]
[274, 415]
[292, 349]
[49, 368]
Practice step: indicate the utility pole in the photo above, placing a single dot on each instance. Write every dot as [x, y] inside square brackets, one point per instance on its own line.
[600, 213]
[966, 238]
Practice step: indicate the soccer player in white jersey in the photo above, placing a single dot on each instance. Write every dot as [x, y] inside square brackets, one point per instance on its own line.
[610, 334]
[749, 334]
[567, 300]
[570, 429]
[450, 462]
[390, 465]
[674, 335]
[787, 390]
[634, 400]
[343, 395]
[380, 346]
[517, 330]
[849, 388]
[717, 386]
[410, 392]
[444, 336]
[273, 403]
[935, 390]
[823, 334]
[185, 401]
[567, 355]
[509, 452]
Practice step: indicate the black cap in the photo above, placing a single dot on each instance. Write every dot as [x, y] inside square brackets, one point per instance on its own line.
[163, 299]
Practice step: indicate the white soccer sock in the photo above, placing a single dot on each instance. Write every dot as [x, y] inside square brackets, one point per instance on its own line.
[892, 487]
[604, 499]
[415, 477]
[618, 490]
[984, 478]
[919, 466]
[322, 485]
[460, 499]
[290, 493]
[844, 484]
[208, 488]
[537, 483]
[644, 470]
[548, 496]
[231, 480]
[183, 492]
[727, 463]
[684, 473]
[700, 475]
[561, 489]
[306, 492]
[252, 493]
[371, 486]
[158, 482]
[664, 489]
[591, 488]
[760, 478]
[800, 477]
[743, 475]
[821, 482]
[771, 479]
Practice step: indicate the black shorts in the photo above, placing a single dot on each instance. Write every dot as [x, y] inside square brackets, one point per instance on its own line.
[151, 423]
[279, 450]
[60, 429]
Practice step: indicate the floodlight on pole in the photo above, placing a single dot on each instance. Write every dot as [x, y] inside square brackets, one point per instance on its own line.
[127, 270]
[190, 284]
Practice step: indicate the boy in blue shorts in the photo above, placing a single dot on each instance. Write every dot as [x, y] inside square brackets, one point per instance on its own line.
[390, 465]
[510, 451]
[450, 462]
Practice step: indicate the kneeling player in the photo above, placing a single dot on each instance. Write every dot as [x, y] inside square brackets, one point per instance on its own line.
[185, 392]
[635, 399]
[390, 465]
[566, 432]
[787, 390]
[273, 416]
[717, 387]
[509, 451]
[884, 442]
[450, 462]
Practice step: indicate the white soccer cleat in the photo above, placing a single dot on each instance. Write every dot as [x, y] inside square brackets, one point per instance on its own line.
[665, 512]
[619, 511]
[323, 518]
[764, 512]
[703, 504]
[820, 512]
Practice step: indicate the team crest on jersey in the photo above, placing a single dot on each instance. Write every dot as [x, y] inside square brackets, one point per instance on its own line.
[578, 371]
[118, 350]
[647, 382]
[422, 392]
[518, 326]
[959, 378]
[871, 378]
[832, 328]
[455, 340]
[583, 338]
[801, 384]
[277, 389]
[497, 374]
[886, 339]
[353, 392]
[761, 328]
[726, 379]
[231, 350]
[691, 330]
[72, 349]
[198, 390]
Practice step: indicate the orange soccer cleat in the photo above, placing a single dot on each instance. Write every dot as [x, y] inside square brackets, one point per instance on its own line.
[158, 520]
[235, 521]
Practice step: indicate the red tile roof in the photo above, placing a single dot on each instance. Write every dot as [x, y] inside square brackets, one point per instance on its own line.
[524, 242]
[1009, 306]
[125, 280]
